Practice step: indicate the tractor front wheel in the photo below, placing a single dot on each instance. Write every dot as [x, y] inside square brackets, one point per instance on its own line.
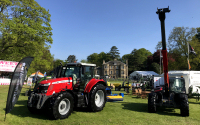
[152, 102]
[184, 105]
[98, 98]
[63, 106]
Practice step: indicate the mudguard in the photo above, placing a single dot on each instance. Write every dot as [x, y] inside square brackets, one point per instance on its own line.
[92, 83]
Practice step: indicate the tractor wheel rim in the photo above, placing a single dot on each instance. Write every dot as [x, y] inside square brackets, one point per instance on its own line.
[64, 106]
[99, 98]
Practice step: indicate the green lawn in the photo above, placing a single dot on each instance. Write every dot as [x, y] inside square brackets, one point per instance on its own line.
[128, 112]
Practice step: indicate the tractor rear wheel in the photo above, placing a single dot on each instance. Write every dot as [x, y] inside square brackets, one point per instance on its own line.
[152, 102]
[184, 105]
[97, 98]
[63, 106]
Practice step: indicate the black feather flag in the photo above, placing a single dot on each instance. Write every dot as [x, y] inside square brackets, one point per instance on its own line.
[17, 82]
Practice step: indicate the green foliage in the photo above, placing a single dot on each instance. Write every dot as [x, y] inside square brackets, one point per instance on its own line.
[140, 59]
[71, 59]
[155, 67]
[114, 53]
[26, 31]
[98, 58]
[84, 61]
[178, 48]
[179, 38]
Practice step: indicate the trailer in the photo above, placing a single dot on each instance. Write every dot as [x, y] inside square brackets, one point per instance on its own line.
[192, 80]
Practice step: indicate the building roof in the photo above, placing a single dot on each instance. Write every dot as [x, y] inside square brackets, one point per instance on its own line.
[115, 62]
[145, 73]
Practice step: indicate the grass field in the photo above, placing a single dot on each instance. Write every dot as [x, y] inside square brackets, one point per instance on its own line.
[128, 112]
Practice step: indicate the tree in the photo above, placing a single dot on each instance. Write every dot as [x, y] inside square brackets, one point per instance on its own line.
[71, 59]
[25, 31]
[140, 59]
[114, 53]
[84, 61]
[155, 67]
[130, 58]
[179, 38]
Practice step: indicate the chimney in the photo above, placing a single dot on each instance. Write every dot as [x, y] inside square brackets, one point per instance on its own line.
[127, 62]
[103, 61]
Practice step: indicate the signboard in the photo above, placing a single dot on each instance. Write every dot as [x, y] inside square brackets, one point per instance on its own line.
[7, 66]
[29, 81]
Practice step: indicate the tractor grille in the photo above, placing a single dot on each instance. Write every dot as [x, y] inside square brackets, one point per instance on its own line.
[43, 89]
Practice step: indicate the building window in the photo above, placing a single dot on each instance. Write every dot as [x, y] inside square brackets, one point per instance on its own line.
[117, 72]
[122, 67]
[110, 72]
[97, 72]
[110, 67]
[105, 67]
[122, 72]
[117, 67]
[105, 72]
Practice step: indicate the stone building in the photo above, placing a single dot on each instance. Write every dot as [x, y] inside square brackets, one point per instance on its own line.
[114, 69]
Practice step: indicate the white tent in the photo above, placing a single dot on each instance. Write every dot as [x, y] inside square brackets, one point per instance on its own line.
[142, 74]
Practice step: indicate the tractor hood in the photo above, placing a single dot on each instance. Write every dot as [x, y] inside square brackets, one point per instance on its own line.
[57, 80]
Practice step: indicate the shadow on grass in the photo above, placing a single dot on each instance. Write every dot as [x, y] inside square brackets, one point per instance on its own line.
[143, 107]
[195, 102]
[22, 111]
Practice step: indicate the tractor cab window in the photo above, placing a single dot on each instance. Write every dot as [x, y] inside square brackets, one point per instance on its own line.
[71, 71]
[177, 85]
[88, 73]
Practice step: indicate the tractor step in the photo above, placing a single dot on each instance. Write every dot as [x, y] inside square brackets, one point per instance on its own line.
[81, 100]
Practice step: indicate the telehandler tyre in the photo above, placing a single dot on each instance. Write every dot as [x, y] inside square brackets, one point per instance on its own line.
[184, 105]
[152, 102]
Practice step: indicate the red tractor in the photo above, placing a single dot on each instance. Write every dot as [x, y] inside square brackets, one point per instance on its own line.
[74, 86]
[173, 93]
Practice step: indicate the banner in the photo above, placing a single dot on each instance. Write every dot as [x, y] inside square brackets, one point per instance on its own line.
[17, 82]
[7, 66]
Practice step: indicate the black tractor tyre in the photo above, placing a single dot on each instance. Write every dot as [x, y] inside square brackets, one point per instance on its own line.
[97, 98]
[62, 107]
[152, 102]
[184, 105]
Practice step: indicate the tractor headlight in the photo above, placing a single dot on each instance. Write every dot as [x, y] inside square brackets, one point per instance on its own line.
[45, 84]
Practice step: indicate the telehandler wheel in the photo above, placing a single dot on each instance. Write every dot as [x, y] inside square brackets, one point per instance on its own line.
[98, 98]
[184, 105]
[152, 102]
[63, 106]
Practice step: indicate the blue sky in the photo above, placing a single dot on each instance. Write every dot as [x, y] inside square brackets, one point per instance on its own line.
[83, 27]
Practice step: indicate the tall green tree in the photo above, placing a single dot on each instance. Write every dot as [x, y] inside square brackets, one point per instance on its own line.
[140, 59]
[26, 31]
[93, 58]
[114, 53]
[71, 59]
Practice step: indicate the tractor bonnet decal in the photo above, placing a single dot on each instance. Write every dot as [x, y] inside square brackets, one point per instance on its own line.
[63, 81]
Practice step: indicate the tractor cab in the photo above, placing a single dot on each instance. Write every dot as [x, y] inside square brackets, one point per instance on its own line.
[81, 74]
[177, 85]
